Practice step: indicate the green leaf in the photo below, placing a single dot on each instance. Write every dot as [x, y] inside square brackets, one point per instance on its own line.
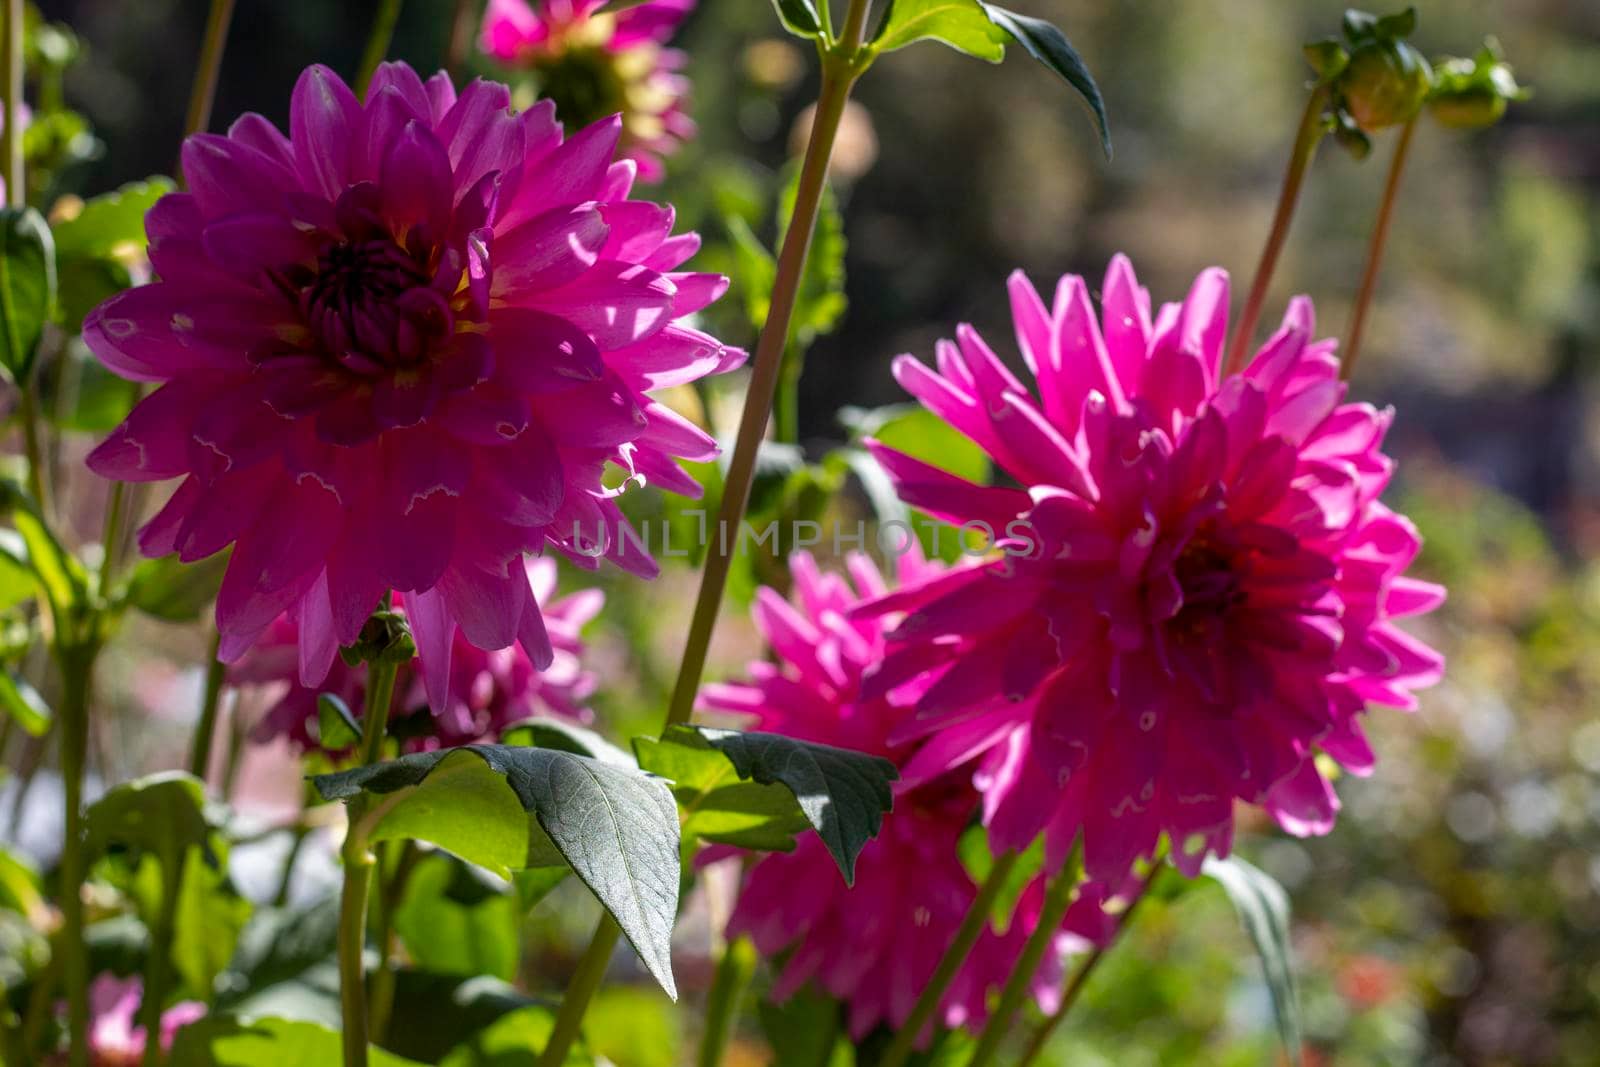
[78, 393]
[804, 1030]
[451, 922]
[472, 1022]
[222, 1041]
[112, 223]
[24, 704]
[61, 577]
[27, 287]
[174, 591]
[337, 726]
[978, 859]
[715, 804]
[920, 434]
[1263, 909]
[20, 888]
[799, 17]
[632, 1026]
[18, 585]
[547, 731]
[961, 24]
[279, 945]
[820, 302]
[503, 807]
[211, 915]
[82, 285]
[842, 794]
[161, 814]
[1050, 46]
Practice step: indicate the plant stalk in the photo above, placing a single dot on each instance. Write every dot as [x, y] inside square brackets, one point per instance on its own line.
[1305, 146]
[16, 187]
[209, 67]
[159, 964]
[377, 43]
[76, 668]
[955, 955]
[396, 861]
[1058, 896]
[580, 991]
[1080, 977]
[205, 730]
[358, 865]
[734, 969]
[839, 73]
[1380, 236]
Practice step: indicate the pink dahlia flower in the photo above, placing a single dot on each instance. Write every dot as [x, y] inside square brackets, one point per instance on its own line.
[874, 945]
[1200, 586]
[115, 1039]
[484, 693]
[397, 350]
[595, 64]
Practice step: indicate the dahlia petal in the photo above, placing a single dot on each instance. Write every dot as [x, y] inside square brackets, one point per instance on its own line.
[1412, 596]
[150, 333]
[435, 633]
[532, 635]
[524, 482]
[159, 536]
[946, 496]
[550, 251]
[537, 352]
[229, 507]
[615, 303]
[487, 607]
[484, 416]
[248, 244]
[399, 79]
[675, 435]
[675, 355]
[697, 291]
[257, 132]
[324, 124]
[318, 643]
[599, 414]
[152, 443]
[673, 253]
[571, 174]
[1127, 323]
[508, 27]
[638, 230]
[1304, 804]
[482, 134]
[415, 179]
[226, 177]
[1081, 360]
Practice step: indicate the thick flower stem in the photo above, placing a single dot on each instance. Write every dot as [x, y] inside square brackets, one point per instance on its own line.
[205, 731]
[734, 969]
[358, 865]
[580, 991]
[158, 966]
[76, 667]
[1080, 977]
[955, 955]
[1305, 146]
[204, 91]
[377, 43]
[15, 187]
[1058, 896]
[840, 69]
[1380, 236]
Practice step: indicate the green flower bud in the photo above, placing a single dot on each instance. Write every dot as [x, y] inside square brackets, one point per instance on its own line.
[1384, 84]
[1327, 57]
[1472, 93]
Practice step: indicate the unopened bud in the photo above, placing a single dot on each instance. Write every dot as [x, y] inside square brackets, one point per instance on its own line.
[384, 638]
[1472, 93]
[1385, 81]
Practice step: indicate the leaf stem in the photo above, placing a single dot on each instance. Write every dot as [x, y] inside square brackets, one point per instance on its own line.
[206, 71]
[1380, 235]
[77, 665]
[377, 43]
[580, 991]
[16, 187]
[734, 969]
[955, 955]
[159, 962]
[396, 861]
[840, 69]
[1080, 977]
[1058, 896]
[1305, 146]
[358, 865]
[205, 730]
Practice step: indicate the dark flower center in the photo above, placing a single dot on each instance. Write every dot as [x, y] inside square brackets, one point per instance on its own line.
[1209, 579]
[584, 84]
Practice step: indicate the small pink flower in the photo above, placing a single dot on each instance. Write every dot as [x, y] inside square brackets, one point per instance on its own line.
[484, 692]
[399, 348]
[115, 1039]
[1200, 587]
[874, 945]
[595, 64]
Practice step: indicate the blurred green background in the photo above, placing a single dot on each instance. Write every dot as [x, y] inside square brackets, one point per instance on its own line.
[1453, 917]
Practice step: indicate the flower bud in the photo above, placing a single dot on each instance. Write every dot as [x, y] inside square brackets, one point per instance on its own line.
[1384, 84]
[1472, 93]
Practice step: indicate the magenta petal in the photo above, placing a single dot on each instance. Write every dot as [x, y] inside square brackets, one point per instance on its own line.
[324, 121]
[571, 174]
[537, 352]
[487, 607]
[435, 633]
[416, 180]
[550, 251]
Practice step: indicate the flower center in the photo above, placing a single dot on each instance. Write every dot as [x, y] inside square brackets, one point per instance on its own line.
[371, 304]
[584, 83]
[1209, 580]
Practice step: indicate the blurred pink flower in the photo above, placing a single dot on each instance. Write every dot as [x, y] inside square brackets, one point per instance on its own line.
[595, 64]
[874, 945]
[1200, 588]
[398, 348]
[484, 693]
[115, 1040]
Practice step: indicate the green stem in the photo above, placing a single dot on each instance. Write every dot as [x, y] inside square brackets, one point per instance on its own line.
[205, 730]
[297, 841]
[580, 990]
[28, 412]
[734, 969]
[377, 43]
[396, 861]
[76, 668]
[786, 408]
[955, 955]
[461, 27]
[840, 69]
[204, 90]
[159, 963]
[1305, 146]
[1380, 235]
[1058, 896]
[358, 865]
[11, 139]
[1080, 977]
